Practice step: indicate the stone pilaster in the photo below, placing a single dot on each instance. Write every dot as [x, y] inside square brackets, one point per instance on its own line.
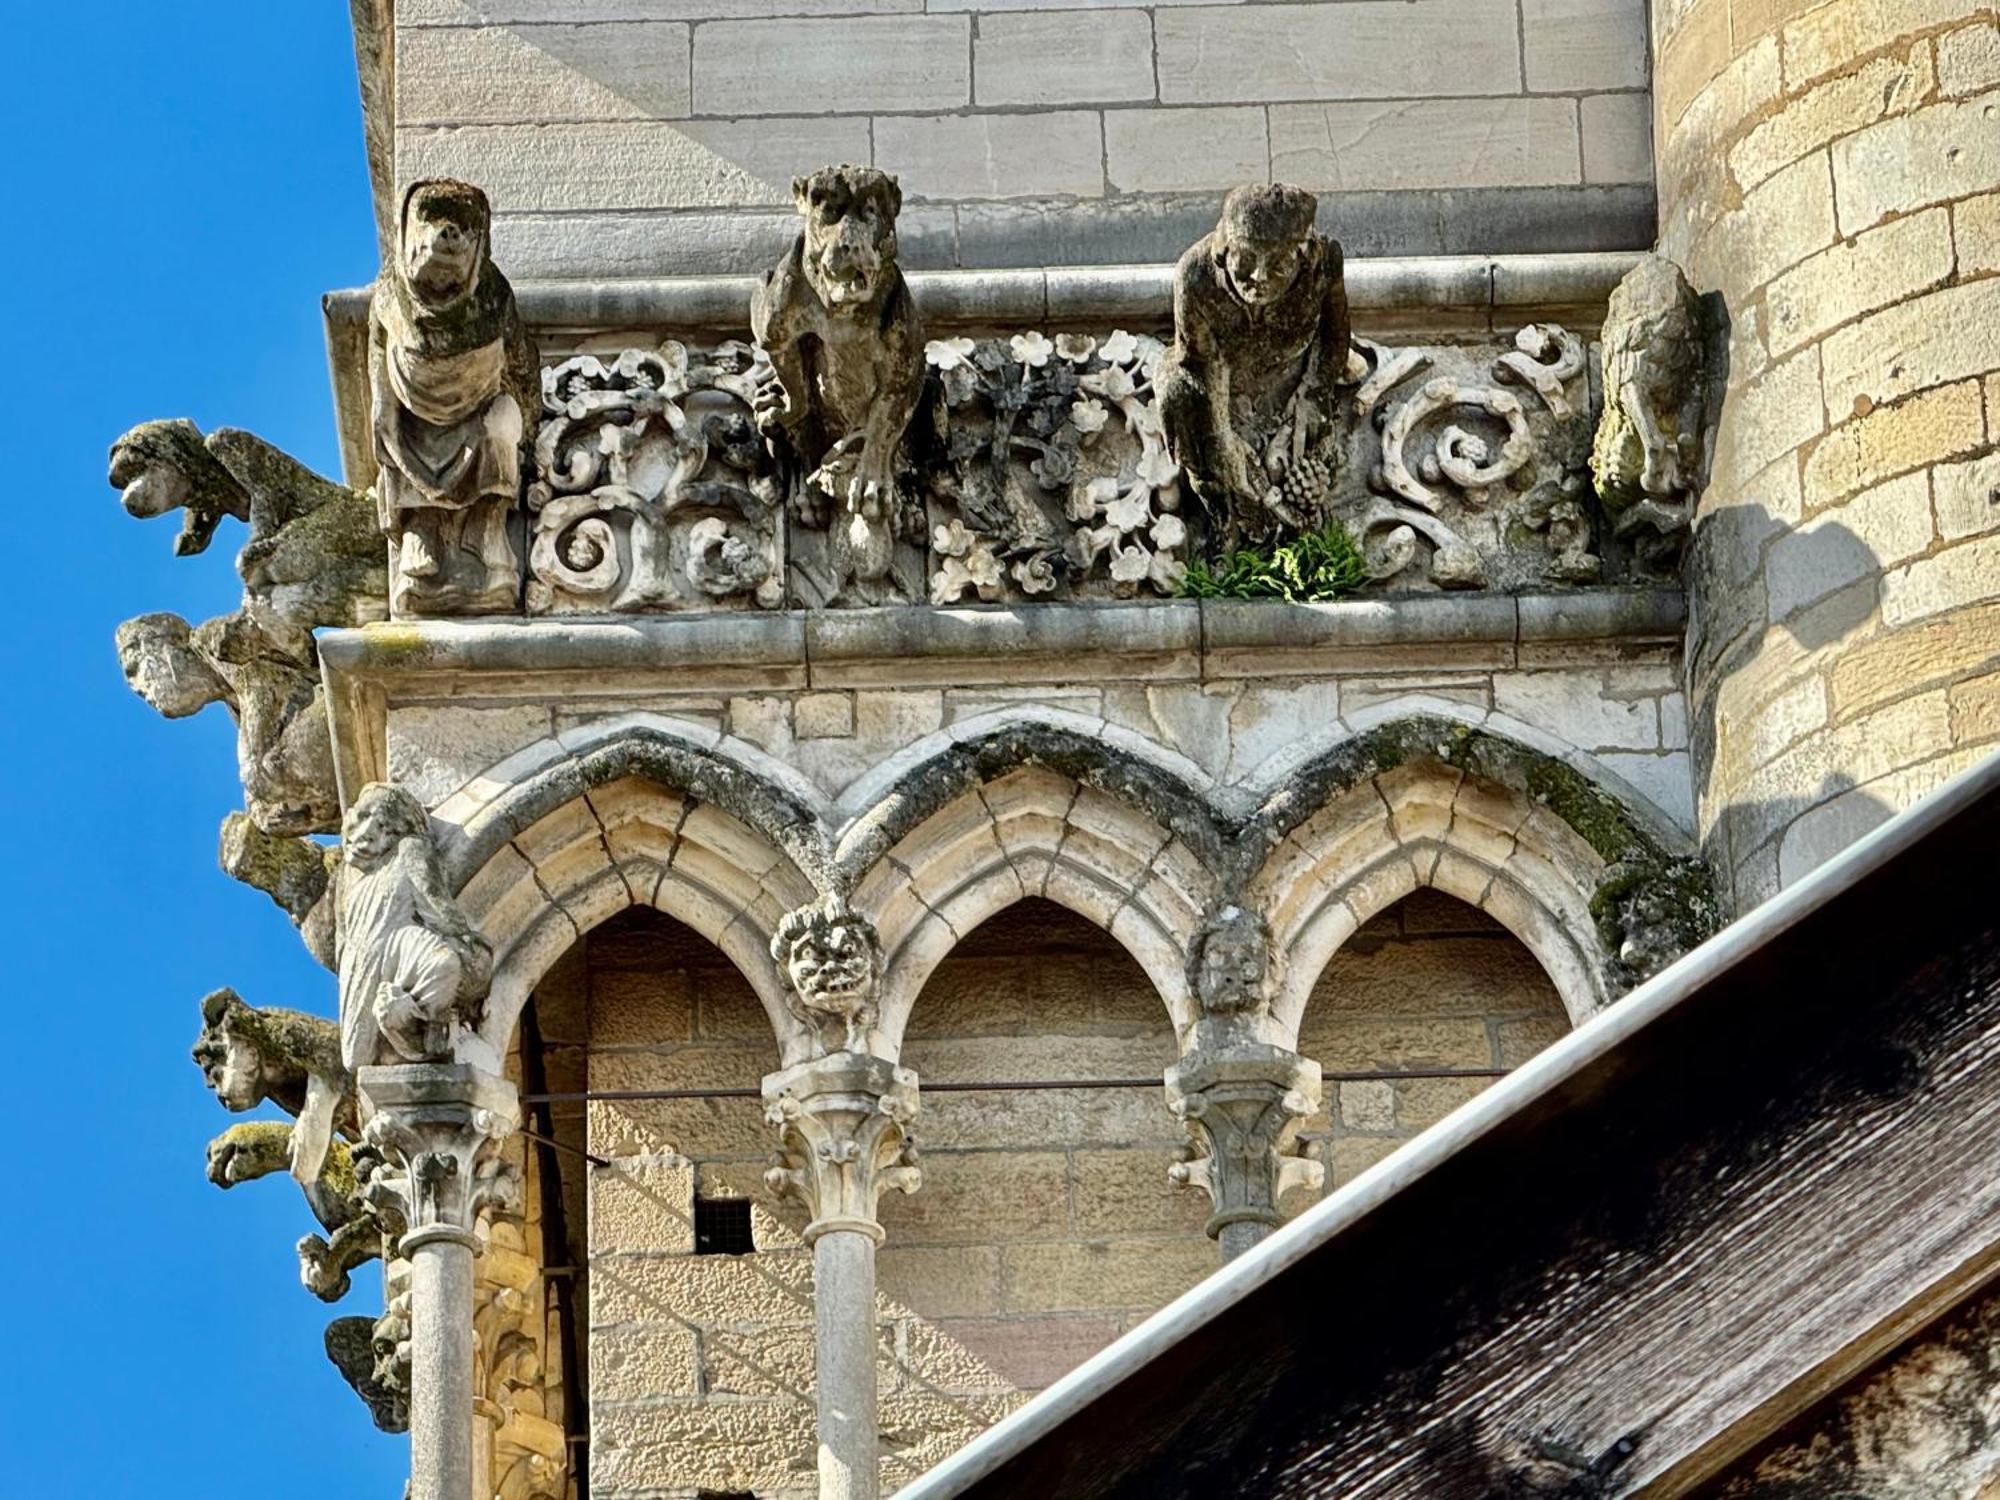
[436, 1131]
[1242, 1103]
[843, 1125]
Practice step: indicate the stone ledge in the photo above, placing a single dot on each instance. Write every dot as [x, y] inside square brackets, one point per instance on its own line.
[919, 646]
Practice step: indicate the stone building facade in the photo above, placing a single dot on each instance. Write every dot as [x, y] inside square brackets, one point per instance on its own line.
[1074, 815]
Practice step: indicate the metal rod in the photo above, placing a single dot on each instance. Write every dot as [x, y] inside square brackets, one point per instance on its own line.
[549, 1140]
[647, 1096]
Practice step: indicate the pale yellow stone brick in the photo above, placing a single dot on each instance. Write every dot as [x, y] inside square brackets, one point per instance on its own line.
[648, 1361]
[1129, 1192]
[1422, 1102]
[1931, 340]
[1969, 59]
[1891, 440]
[1975, 226]
[773, 1287]
[1941, 152]
[1034, 1352]
[1876, 90]
[1831, 37]
[823, 716]
[1965, 574]
[1967, 496]
[1927, 653]
[1139, 1274]
[1355, 1044]
[1885, 265]
[982, 1197]
[642, 1203]
[1353, 1155]
[940, 1281]
[1975, 709]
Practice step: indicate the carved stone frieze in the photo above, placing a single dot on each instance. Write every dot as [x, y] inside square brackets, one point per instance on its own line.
[1051, 476]
[413, 970]
[454, 382]
[526, 1449]
[844, 1138]
[831, 963]
[652, 486]
[847, 356]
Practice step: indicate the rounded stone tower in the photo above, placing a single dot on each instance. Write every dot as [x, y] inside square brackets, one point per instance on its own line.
[1829, 172]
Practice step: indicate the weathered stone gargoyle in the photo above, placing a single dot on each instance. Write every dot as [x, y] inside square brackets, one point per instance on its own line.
[1651, 911]
[1649, 454]
[847, 355]
[264, 669]
[248, 1055]
[314, 556]
[831, 962]
[412, 967]
[373, 1356]
[455, 383]
[1247, 391]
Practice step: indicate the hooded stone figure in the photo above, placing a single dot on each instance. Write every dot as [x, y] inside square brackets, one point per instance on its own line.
[455, 384]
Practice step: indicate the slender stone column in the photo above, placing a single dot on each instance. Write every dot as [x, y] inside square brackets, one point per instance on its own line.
[843, 1130]
[435, 1129]
[1242, 1103]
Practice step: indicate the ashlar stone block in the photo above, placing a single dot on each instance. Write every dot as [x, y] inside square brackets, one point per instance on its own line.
[994, 156]
[1945, 151]
[1425, 143]
[1574, 45]
[1063, 57]
[857, 63]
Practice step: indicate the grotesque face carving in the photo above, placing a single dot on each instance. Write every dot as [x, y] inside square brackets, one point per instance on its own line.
[444, 239]
[831, 962]
[850, 231]
[1266, 241]
[229, 1061]
[162, 665]
[1232, 963]
[382, 816]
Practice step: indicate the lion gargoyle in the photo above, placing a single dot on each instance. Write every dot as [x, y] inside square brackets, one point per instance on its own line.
[248, 1055]
[847, 356]
[1651, 440]
[1261, 338]
[314, 556]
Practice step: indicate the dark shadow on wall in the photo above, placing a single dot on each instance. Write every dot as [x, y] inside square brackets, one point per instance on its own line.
[1779, 841]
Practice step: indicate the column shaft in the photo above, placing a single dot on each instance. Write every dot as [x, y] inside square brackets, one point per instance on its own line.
[441, 1370]
[844, 1324]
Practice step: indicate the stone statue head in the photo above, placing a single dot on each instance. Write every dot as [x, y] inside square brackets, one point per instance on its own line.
[443, 244]
[163, 466]
[165, 666]
[1265, 239]
[850, 232]
[1230, 968]
[830, 957]
[381, 818]
[230, 1061]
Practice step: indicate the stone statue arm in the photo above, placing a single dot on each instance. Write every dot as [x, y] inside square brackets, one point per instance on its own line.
[785, 404]
[385, 415]
[895, 403]
[1215, 452]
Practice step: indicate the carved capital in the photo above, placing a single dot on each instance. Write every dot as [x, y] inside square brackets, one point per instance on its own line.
[435, 1131]
[844, 1138]
[1242, 1105]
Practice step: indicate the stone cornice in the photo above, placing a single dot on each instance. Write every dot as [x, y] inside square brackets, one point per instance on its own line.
[370, 670]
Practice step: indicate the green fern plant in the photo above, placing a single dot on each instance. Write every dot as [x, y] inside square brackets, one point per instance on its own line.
[1317, 567]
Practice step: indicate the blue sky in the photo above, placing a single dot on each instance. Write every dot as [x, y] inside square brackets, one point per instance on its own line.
[183, 183]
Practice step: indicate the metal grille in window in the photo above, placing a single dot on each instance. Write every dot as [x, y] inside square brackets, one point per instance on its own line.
[722, 1226]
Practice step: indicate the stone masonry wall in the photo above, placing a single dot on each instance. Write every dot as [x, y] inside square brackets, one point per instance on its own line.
[1833, 171]
[652, 137]
[1046, 1224]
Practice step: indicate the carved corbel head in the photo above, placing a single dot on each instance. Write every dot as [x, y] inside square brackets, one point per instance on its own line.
[1231, 970]
[1265, 239]
[831, 960]
[381, 818]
